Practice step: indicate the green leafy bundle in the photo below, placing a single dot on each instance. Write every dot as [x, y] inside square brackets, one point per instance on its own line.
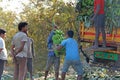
[112, 10]
[57, 39]
[85, 9]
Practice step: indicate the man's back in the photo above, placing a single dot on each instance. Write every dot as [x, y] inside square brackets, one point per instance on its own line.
[71, 47]
[101, 3]
[17, 39]
[49, 40]
[30, 47]
[3, 53]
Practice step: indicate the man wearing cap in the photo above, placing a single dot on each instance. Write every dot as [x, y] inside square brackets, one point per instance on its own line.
[52, 58]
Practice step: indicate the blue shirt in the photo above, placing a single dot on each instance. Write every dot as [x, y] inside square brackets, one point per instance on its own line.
[71, 46]
[50, 44]
[49, 40]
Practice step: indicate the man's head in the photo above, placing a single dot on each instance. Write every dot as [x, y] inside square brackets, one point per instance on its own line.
[2, 33]
[22, 26]
[70, 34]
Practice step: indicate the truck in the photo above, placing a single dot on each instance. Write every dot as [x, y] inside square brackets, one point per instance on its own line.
[111, 52]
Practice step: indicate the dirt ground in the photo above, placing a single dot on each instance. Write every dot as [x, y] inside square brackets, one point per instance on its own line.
[93, 71]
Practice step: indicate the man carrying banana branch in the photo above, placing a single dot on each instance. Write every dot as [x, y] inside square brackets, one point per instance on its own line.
[52, 58]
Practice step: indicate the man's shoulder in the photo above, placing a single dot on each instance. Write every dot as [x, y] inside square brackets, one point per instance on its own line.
[1, 40]
[22, 33]
[65, 40]
[31, 39]
[71, 39]
[52, 32]
[18, 34]
[99, 1]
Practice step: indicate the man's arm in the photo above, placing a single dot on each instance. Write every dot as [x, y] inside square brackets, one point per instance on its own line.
[12, 50]
[50, 37]
[96, 13]
[21, 48]
[32, 46]
[59, 47]
[23, 41]
[1, 49]
[63, 43]
[1, 46]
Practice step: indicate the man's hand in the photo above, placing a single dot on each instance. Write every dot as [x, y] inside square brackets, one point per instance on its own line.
[0, 50]
[59, 47]
[92, 19]
[96, 13]
[11, 55]
[33, 56]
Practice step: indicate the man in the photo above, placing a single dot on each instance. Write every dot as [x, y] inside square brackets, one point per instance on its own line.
[30, 56]
[99, 22]
[72, 57]
[19, 51]
[52, 58]
[3, 51]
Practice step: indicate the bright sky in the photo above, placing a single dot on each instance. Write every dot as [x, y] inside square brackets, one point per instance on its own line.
[70, 1]
[13, 5]
[16, 5]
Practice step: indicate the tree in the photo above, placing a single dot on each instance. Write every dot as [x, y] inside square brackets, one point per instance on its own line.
[7, 22]
[40, 15]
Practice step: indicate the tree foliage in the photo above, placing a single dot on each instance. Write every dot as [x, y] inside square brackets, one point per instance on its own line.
[112, 10]
[7, 22]
[41, 15]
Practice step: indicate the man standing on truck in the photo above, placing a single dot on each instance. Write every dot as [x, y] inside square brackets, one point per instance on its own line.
[99, 22]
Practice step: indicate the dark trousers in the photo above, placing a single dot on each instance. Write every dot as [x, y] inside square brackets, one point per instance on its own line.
[97, 28]
[1, 67]
[100, 27]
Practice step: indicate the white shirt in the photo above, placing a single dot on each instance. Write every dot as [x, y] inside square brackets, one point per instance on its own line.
[17, 39]
[3, 53]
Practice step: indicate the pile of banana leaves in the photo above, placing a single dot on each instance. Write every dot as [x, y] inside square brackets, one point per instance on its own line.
[90, 73]
[98, 73]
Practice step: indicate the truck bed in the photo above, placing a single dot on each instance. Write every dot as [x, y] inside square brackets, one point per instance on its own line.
[88, 35]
